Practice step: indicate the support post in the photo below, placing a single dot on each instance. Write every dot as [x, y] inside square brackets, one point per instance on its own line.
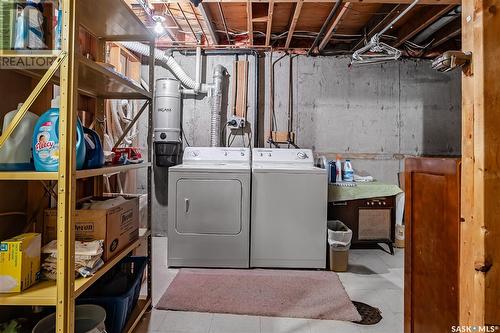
[65, 300]
[480, 211]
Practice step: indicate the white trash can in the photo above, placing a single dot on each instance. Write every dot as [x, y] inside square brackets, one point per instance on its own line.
[339, 242]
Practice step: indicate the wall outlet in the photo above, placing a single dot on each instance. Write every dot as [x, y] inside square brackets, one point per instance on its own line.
[236, 122]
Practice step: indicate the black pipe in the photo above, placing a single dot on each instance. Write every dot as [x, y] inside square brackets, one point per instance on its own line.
[332, 14]
[256, 68]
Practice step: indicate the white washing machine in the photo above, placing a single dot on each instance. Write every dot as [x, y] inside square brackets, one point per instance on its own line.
[289, 209]
[209, 208]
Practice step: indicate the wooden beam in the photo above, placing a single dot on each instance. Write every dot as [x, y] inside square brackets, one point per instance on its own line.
[207, 17]
[224, 23]
[446, 33]
[335, 23]
[480, 227]
[376, 23]
[422, 2]
[174, 19]
[198, 21]
[187, 21]
[241, 88]
[293, 23]
[270, 12]
[426, 17]
[249, 22]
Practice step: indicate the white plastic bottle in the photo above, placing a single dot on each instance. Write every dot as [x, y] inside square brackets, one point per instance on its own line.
[348, 171]
[338, 169]
[15, 154]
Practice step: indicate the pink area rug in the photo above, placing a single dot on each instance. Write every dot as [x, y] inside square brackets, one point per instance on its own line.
[274, 293]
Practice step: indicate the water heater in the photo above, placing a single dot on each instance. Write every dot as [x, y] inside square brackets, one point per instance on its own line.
[167, 122]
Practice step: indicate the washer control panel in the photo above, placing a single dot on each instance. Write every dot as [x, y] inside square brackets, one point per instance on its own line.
[282, 156]
[195, 155]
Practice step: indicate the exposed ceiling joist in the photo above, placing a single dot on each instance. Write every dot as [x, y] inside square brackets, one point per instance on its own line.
[223, 18]
[448, 32]
[250, 22]
[422, 2]
[198, 21]
[293, 23]
[335, 23]
[208, 21]
[269, 27]
[188, 23]
[377, 23]
[427, 17]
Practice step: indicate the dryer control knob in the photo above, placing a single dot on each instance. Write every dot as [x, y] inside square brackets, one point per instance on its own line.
[301, 155]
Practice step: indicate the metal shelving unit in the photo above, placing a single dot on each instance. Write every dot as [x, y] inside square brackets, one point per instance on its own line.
[107, 20]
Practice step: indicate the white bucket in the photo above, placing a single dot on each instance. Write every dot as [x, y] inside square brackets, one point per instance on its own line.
[88, 319]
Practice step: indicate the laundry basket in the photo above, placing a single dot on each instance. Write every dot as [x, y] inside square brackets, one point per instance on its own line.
[117, 292]
[339, 242]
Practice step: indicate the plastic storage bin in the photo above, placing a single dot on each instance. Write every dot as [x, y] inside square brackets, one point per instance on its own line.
[117, 292]
[339, 241]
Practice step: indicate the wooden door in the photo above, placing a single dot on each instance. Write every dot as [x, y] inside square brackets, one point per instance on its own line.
[432, 217]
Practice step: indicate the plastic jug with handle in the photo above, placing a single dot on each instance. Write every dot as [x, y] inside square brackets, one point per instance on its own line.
[15, 154]
[46, 141]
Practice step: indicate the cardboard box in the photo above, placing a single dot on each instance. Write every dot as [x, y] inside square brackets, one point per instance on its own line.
[400, 236]
[117, 226]
[19, 262]
[143, 206]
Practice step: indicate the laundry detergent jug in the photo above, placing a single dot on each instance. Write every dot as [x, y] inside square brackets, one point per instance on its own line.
[46, 141]
[15, 154]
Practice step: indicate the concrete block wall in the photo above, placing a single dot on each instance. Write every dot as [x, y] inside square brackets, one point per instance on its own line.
[375, 114]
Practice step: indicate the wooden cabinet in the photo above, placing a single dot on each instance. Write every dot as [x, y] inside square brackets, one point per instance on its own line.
[432, 217]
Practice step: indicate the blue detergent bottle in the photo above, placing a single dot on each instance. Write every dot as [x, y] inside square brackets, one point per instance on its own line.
[46, 141]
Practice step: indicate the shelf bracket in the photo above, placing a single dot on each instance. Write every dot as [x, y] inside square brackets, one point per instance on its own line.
[131, 124]
[32, 97]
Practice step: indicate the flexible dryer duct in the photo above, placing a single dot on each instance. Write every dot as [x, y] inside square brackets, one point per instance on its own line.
[168, 61]
[216, 106]
[197, 87]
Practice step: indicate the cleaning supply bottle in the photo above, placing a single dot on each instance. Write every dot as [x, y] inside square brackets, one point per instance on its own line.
[94, 154]
[348, 171]
[46, 141]
[15, 154]
[58, 26]
[29, 27]
[338, 169]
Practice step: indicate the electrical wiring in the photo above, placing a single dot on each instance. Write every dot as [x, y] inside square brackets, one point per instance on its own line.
[365, 12]
[185, 139]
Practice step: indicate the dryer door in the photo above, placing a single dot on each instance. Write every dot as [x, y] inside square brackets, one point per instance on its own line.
[209, 206]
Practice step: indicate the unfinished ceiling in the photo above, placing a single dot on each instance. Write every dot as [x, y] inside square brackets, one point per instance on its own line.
[313, 27]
